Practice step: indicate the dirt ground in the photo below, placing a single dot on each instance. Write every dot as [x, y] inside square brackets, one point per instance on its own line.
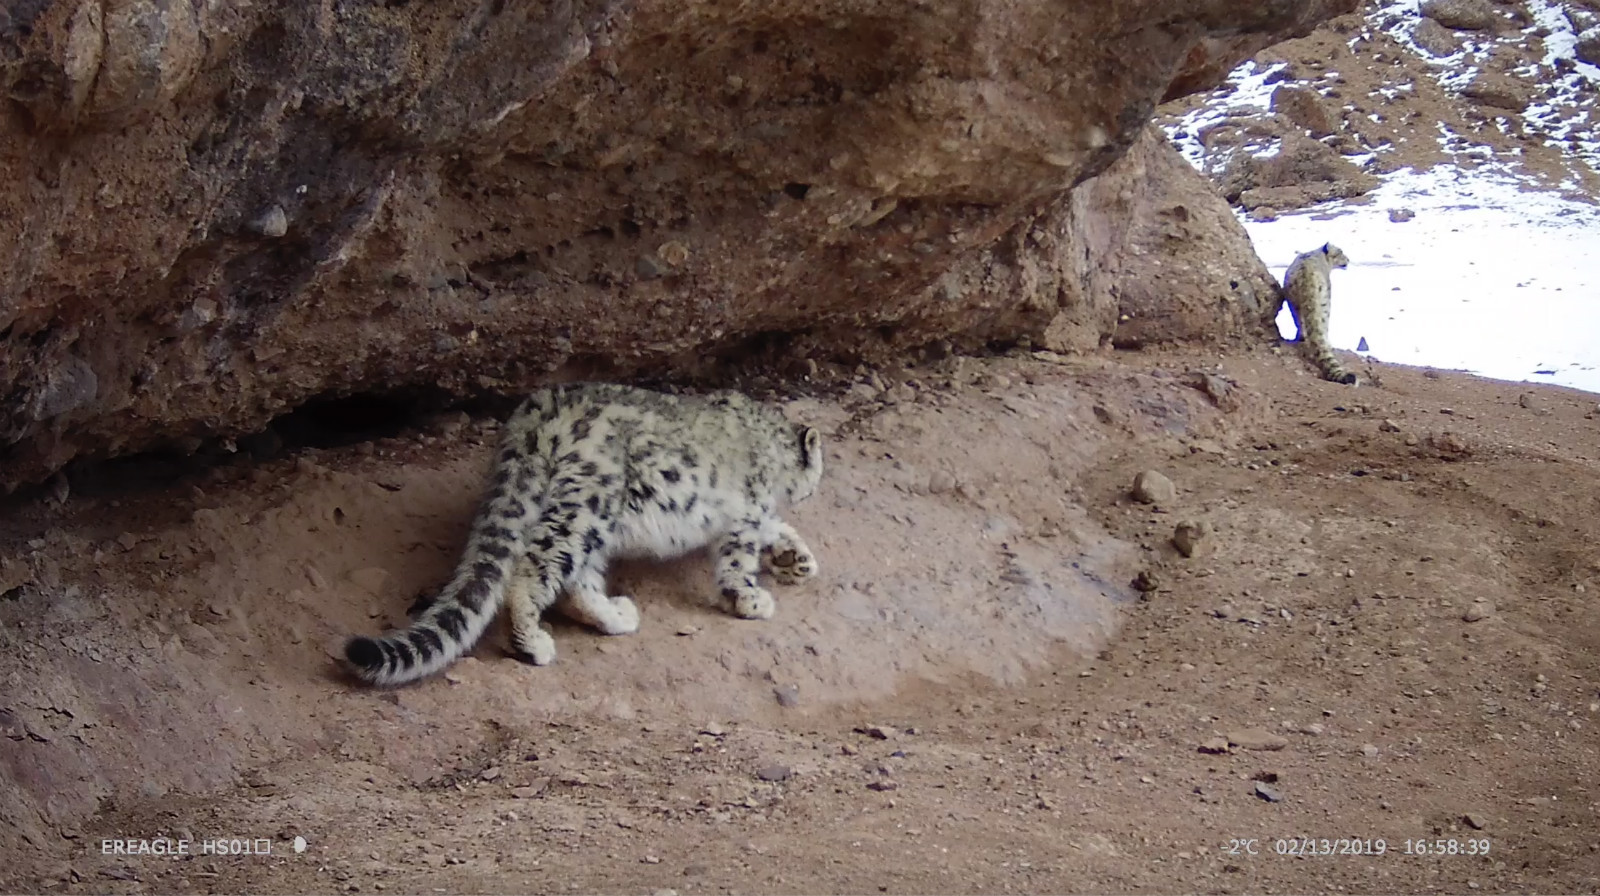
[1385, 636]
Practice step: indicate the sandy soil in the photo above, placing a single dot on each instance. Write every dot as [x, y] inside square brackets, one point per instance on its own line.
[1384, 636]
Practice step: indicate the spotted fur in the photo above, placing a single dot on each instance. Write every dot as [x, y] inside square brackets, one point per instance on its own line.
[591, 473]
[1308, 288]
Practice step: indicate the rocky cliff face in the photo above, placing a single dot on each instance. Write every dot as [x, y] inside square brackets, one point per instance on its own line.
[213, 212]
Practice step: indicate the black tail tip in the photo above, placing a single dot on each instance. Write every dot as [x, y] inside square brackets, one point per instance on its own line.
[364, 653]
[1349, 379]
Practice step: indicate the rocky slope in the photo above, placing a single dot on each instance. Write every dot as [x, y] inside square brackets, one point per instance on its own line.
[1398, 84]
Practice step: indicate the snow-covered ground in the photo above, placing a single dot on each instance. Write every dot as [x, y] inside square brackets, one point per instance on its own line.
[1487, 277]
[1562, 111]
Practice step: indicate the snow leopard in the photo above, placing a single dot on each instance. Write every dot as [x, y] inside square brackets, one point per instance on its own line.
[1308, 288]
[591, 473]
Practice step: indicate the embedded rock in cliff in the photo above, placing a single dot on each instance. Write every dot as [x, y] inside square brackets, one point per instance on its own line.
[213, 213]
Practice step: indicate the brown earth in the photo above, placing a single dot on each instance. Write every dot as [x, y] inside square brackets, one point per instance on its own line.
[1385, 632]
[1007, 677]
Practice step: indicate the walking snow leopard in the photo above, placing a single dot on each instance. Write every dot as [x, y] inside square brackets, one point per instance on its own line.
[591, 473]
[1308, 288]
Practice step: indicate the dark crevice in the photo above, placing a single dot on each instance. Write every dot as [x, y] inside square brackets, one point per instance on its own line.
[339, 421]
[324, 422]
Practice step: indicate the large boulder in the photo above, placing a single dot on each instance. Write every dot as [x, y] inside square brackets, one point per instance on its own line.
[213, 213]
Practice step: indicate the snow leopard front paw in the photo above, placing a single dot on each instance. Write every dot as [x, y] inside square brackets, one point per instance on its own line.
[791, 566]
[624, 617]
[749, 603]
[536, 648]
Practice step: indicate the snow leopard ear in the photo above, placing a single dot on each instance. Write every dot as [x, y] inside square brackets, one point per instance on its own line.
[810, 448]
[1326, 248]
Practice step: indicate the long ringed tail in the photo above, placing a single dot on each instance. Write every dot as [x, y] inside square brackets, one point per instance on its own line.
[450, 627]
[1332, 370]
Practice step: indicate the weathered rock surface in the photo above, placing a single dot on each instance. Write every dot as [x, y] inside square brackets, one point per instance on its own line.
[1174, 261]
[1464, 15]
[213, 213]
[1306, 109]
[1304, 172]
[1588, 47]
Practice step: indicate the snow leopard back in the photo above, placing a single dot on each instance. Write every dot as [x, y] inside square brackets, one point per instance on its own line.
[588, 473]
[1308, 288]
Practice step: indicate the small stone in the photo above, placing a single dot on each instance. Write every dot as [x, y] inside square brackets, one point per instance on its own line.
[1476, 821]
[713, 729]
[673, 253]
[1215, 745]
[648, 267]
[531, 791]
[1449, 443]
[881, 732]
[273, 223]
[774, 773]
[940, 482]
[863, 392]
[685, 631]
[787, 695]
[1219, 390]
[883, 786]
[1146, 581]
[1268, 793]
[1187, 535]
[1480, 610]
[1401, 215]
[651, 860]
[1368, 750]
[1388, 426]
[1257, 739]
[491, 773]
[1152, 487]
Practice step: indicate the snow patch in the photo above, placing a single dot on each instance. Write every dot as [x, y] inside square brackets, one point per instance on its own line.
[1487, 277]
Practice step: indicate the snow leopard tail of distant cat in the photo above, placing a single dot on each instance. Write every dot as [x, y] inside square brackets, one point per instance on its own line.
[1328, 363]
[458, 617]
[1308, 289]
